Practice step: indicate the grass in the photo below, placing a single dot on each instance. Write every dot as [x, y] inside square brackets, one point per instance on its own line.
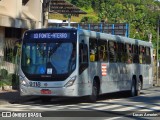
[5, 82]
[90, 17]
[61, 17]
[90, 13]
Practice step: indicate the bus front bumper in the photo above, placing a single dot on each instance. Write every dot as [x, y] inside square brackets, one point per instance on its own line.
[63, 91]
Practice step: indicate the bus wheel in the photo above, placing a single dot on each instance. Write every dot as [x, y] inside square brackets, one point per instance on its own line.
[139, 86]
[133, 88]
[93, 97]
[45, 99]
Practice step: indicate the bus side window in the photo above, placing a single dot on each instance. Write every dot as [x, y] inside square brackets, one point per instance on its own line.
[127, 53]
[148, 56]
[93, 49]
[133, 54]
[136, 54]
[112, 51]
[83, 57]
[102, 50]
[141, 54]
[120, 52]
[144, 55]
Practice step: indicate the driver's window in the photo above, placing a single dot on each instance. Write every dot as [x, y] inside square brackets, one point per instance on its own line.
[83, 52]
[83, 56]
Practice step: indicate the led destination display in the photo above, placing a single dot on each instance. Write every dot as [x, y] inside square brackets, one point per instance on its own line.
[50, 35]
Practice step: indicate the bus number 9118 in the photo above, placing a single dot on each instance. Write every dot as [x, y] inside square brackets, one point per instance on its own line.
[35, 84]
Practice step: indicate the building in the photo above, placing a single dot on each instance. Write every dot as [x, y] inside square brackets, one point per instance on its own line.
[16, 16]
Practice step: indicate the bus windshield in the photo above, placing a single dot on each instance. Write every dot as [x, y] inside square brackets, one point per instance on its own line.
[48, 59]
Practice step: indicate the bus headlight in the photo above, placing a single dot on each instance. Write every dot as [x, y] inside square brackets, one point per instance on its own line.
[70, 82]
[23, 81]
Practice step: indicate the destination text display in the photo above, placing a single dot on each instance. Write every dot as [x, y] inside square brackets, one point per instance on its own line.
[50, 35]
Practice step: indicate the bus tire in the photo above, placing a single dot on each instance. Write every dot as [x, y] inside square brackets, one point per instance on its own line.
[93, 97]
[139, 86]
[133, 88]
[45, 99]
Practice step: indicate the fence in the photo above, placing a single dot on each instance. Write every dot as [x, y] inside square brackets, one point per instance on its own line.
[121, 29]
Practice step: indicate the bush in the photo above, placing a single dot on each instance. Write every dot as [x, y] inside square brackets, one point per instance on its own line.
[4, 73]
[15, 82]
[5, 78]
[89, 19]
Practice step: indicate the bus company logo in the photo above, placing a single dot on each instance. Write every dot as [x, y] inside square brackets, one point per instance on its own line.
[6, 114]
[45, 84]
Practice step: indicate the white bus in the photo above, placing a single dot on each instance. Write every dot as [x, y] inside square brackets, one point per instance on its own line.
[75, 62]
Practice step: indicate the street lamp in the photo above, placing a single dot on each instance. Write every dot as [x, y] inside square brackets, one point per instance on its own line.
[150, 37]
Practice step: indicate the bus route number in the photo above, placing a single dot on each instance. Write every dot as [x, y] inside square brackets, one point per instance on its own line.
[35, 84]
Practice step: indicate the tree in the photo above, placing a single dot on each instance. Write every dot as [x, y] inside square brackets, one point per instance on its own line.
[140, 14]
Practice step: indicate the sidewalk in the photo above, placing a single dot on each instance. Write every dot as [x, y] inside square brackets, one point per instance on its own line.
[12, 96]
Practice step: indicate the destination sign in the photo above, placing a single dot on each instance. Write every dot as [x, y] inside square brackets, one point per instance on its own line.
[50, 35]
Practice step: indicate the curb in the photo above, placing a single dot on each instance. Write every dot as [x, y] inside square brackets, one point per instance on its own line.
[3, 102]
[8, 88]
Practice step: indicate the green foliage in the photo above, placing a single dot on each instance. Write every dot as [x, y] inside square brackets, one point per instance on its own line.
[5, 78]
[82, 3]
[89, 19]
[140, 14]
[8, 79]
[3, 73]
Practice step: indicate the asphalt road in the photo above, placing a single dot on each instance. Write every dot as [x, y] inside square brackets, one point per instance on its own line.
[110, 106]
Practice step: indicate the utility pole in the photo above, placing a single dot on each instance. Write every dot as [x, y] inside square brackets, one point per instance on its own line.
[69, 20]
[157, 49]
[45, 10]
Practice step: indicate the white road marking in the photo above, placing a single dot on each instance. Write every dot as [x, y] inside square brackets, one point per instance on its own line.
[113, 118]
[127, 108]
[156, 108]
[145, 110]
[94, 105]
[107, 107]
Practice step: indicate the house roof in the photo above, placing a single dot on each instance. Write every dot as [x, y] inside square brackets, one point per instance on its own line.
[64, 7]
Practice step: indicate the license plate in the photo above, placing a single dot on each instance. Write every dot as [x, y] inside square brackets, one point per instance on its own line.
[45, 91]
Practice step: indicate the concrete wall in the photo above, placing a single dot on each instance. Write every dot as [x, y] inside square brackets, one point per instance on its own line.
[14, 9]
[1, 41]
[1, 46]
[15, 15]
[35, 7]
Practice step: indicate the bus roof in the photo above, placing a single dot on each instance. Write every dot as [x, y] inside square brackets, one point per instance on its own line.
[98, 35]
[50, 29]
[117, 38]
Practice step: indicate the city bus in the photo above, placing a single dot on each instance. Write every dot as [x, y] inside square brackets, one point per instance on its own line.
[74, 62]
